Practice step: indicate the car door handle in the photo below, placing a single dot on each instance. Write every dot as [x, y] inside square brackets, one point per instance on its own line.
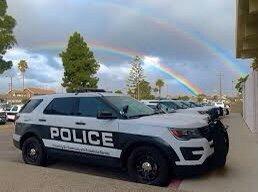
[42, 120]
[80, 123]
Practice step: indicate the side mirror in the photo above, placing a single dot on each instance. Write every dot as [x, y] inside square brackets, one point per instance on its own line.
[105, 115]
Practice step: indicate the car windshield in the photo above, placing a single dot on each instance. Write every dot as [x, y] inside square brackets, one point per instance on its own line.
[181, 105]
[130, 107]
[169, 105]
[195, 104]
[186, 104]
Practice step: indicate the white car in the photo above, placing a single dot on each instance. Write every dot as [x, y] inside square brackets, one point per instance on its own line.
[163, 109]
[178, 107]
[113, 128]
[222, 105]
[11, 114]
[2, 115]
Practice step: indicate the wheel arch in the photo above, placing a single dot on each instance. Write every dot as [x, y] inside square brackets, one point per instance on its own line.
[29, 135]
[165, 150]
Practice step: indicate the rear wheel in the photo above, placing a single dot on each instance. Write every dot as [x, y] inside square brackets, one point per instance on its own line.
[33, 152]
[147, 165]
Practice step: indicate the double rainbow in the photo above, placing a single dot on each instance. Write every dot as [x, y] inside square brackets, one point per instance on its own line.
[194, 36]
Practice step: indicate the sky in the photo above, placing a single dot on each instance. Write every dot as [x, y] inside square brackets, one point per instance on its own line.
[186, 43]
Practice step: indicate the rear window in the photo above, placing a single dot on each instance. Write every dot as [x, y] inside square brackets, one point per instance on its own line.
[61, 106]
[31, 105]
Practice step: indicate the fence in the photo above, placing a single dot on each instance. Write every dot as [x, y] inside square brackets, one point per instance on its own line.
[250, 102]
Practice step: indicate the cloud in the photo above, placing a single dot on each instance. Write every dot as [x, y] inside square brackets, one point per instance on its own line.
[166, 29]
[39, 72]
[118, 72]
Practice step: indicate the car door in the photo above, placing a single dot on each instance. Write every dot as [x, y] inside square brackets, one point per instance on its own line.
[56, 123]
[100, 136]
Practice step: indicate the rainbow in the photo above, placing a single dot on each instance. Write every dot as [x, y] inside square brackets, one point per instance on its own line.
[193, 89]
[194, 36]
[178, 77]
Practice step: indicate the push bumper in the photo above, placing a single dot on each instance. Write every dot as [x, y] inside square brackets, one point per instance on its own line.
[194, 170]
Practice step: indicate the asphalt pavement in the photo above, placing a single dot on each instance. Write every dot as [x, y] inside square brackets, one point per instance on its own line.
[239, 175]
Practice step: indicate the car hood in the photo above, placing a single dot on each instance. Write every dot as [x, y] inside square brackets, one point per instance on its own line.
[198, 109]
[174, 120]
[193, 114]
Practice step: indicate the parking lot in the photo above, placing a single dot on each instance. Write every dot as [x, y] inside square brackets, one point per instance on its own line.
[240, 173]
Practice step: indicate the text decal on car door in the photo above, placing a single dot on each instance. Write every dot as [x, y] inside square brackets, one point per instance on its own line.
[90, 137]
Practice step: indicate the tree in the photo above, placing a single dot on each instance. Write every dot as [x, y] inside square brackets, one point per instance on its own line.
[200, 97]
[145, 90]
[118, 91]
[160, 83]
[183, 97]
[80, 65]
[22, 66]
[135, 77]
[240, 83]
[7, 39]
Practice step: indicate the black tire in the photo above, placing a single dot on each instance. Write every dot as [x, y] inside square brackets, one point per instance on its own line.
[33, 152]
[147, 165]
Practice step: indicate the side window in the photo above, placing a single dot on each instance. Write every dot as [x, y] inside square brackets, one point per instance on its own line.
[61, 106]
[30, 105]
[89, 107]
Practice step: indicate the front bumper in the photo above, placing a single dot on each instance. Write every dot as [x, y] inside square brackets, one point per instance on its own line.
[194, 151]
[194, 170]
[218, 135]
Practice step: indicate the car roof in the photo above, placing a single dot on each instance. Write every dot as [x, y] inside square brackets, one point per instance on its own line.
[87, 94]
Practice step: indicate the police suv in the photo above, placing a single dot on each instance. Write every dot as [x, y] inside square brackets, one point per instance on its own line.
[118, 129]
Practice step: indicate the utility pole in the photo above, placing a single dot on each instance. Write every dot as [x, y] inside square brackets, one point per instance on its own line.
[11, 83]
[220, 84]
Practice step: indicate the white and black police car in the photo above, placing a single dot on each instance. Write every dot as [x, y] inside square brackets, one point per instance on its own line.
[115, 128]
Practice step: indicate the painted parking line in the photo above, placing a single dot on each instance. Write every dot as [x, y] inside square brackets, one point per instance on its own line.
[175, 183]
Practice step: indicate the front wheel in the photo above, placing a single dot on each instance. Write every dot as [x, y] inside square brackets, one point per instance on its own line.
[147, 165]
[33, 152]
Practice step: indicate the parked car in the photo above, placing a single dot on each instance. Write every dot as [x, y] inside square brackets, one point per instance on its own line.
[223, 106]
[177, 106]
[14, 110]
[2, 117]
[214, 111]
[117, 129]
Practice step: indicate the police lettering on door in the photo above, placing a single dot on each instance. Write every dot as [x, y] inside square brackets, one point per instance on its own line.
[89, 137]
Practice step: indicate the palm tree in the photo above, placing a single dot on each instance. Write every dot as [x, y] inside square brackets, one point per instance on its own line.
[22, 66]
[160, 83]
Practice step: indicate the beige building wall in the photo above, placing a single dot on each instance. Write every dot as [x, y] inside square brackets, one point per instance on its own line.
[250, 104]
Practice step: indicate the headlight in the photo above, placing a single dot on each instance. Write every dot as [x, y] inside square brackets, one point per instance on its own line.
[185, 134]
[202, 112]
